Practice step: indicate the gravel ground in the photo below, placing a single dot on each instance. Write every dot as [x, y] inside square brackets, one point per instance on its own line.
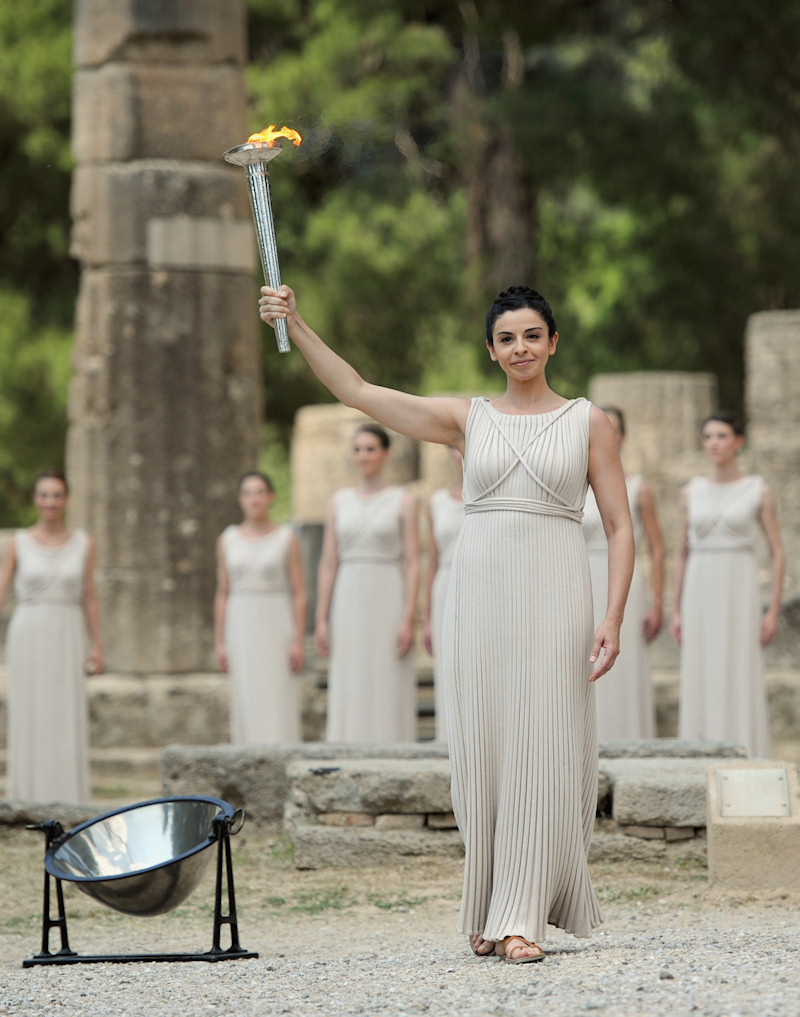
[382, 941]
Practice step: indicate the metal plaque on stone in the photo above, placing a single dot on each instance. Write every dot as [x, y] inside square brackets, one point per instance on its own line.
[758, 792]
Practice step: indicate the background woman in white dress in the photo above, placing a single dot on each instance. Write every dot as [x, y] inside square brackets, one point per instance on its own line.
[625, 708]
[519, 656]
[366, 602]
[259, 619]
[52, 569]
[717, 617]
[445, 518]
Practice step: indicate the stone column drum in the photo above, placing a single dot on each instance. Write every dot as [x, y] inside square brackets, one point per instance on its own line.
[165, 401]
[772, 362]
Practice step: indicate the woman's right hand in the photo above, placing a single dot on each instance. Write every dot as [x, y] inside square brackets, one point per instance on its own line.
[675, 628]
[274, 304]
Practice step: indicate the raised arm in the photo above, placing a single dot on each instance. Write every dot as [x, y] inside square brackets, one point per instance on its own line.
[608, 483]
[768, 518]
[655, 542]
[437, 419]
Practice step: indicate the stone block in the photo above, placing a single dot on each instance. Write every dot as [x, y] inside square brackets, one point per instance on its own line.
[772, 360]
[670, 748]
[144, 712]
[322, 460]
[442, 821]
[374, 786]
[663, 411]
[659, 792]
[158, 466]
[124, 112]
[191, 242]
[112, 204]
[255, 776]
[346, 819]
[174, 31]
[672, 833]
[391, 821]
[645, 832]
[754, 832]
[322, 847]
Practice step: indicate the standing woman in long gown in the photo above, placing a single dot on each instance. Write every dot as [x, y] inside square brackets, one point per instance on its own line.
[366, 601]
[259, 619]
[52, 569]
[445, 519]
[717, 618]
[518, 654]
[625, 708]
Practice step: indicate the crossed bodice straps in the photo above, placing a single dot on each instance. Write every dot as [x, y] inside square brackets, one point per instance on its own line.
[487, 500]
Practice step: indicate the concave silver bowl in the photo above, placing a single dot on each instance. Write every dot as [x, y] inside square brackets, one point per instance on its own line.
[144, 859]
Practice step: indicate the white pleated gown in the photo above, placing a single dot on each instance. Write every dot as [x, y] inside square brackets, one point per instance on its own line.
[46, 655]
[516, 645]
[723, 696]
[259, 631]
[624, 696]
[371, 693]
[447, 516]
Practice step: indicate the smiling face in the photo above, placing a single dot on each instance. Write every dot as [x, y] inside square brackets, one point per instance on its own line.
[521, 343]
[369, 455]
[50, 498]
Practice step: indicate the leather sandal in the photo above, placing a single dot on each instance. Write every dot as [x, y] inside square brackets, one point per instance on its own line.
[515, 943]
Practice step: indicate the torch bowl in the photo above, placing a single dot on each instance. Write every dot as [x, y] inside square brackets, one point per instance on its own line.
[144, 859]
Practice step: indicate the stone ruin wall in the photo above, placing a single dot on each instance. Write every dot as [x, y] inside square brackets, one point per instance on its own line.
[165, 402]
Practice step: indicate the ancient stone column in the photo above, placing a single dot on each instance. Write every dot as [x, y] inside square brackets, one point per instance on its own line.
[164, 406]
[664, 411]
[772, 394]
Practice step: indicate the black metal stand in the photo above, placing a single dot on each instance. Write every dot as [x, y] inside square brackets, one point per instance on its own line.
[53, 829]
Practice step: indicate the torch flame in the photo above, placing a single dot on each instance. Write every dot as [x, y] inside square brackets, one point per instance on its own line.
[269, 136]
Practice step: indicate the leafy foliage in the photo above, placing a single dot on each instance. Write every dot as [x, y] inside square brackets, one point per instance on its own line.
[658, 144]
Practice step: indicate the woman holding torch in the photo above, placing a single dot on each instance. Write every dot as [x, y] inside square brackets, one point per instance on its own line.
[519, 657]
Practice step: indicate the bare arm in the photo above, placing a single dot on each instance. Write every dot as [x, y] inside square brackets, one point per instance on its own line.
[655, 542]
[681, 558]
[769, 523]
[326, 577]
[436, 419]
[410, 523]
[608, 483]
[298, 588]
[220, 607]
[433, 567]
[8, 569]
[91, 610]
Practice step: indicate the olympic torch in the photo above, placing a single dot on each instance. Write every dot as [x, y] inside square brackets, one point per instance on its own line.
[254, 156]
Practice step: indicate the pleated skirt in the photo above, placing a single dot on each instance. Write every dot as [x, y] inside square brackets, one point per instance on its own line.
[522, 732]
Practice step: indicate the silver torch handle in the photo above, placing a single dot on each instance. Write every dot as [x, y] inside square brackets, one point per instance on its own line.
[261, 206]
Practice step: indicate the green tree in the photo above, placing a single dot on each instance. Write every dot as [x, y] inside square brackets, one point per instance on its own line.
[369, 215]
[38, 280]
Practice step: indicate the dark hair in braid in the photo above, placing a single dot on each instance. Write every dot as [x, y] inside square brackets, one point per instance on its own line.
[515, 298]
